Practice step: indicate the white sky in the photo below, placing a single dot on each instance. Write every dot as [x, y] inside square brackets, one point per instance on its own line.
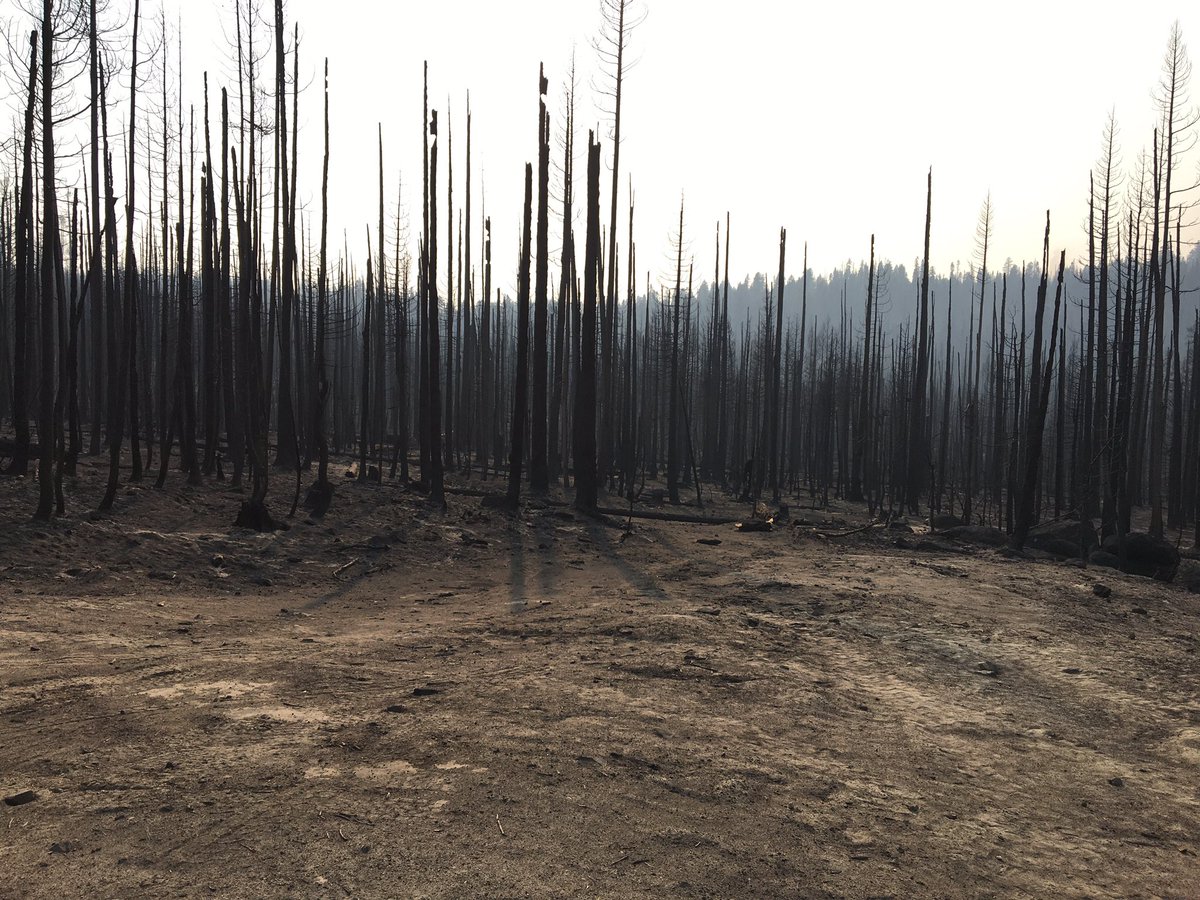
[822, 119]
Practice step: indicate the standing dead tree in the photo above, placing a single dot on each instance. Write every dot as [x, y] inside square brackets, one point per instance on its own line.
[521, 387]
[1039, 395]
[585, 377]
[22, 319]
[539, 475]
[918, 454]
[321, 493]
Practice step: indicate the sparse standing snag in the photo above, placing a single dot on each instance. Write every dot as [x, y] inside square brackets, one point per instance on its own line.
[918, 455]
[96, 283]
[673, 386]
[539, 476]
[1039, 395]
[520, 391]
[321, 493]
[585, 380]
[365, 392]
[116, 417]
[436, 491]
[49, 285]
[861, 427]
[22, 317]
[772, 448]
[557, 451]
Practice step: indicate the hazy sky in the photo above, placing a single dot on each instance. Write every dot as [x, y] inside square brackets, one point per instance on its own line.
[820, 118]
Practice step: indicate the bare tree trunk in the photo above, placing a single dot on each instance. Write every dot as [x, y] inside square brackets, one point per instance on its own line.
[585, 383]
[116, 418]
[918, 456]
[861, 426]
[436, 491]
[322, 491]
[22, 318]
[365, 393]
[673, 386]
[234, 438]
[776, 367]
[49, 295]
[944, 439]
[539, 476]
[1039, 396]
[520, 391]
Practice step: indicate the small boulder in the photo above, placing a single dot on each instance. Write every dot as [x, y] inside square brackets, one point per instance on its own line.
[1145, 555]
[1054, 537]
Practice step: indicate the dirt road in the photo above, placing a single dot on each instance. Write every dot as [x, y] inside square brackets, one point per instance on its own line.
[402, 703]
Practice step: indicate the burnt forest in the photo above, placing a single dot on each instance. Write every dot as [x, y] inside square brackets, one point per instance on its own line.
[413, 524]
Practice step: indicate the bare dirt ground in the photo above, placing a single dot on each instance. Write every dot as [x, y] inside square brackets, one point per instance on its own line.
[398, 702]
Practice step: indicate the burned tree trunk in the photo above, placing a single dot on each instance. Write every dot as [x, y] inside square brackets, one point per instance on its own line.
[436, 490]
[321, 493]
[521, 388]
[861, 426]
[918, 457]
[673, 386]
[584, 431]
[776, 367]
[1039, 396]
[49, 296]
[539, 476]
[22, 320]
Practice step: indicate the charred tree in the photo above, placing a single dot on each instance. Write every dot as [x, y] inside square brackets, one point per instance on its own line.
[22, 318]
[521, 386]
[1039, 396]
[539, 475]
[584, 431]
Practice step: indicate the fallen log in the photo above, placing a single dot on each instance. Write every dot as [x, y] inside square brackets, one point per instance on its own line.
[682, 518]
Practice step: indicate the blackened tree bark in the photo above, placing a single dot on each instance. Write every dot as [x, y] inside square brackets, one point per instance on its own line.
[776, 370]
[557, 444]
[944, 437]
[918, 454]
[124, 374]
[584, 422]
[539, 476]
[22, 320]
[521, 388]
[1039, 396]
[234, 439]
[861, 426]
[486, 367]
[286, 456]
[448, 392]
[210, 377]
[436, 489]
[673, 387]
[365, 391]
[96, 280]
[49, 296]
